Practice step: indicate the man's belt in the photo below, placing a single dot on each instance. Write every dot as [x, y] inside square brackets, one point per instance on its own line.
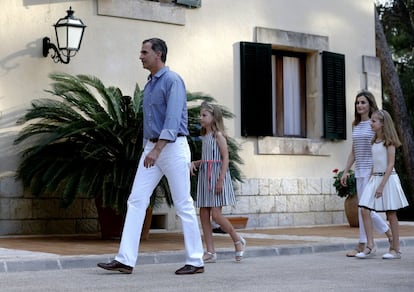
[155, 140]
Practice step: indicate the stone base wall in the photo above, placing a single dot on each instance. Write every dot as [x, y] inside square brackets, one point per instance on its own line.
[23, 214]
[266, 202]
[288, 202]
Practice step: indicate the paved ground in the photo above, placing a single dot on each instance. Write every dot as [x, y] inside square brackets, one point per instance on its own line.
[29, 253]
[313, 272]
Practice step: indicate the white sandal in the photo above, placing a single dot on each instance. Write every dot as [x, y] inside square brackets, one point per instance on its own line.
[209, 257]
[239, 254]
[392, 255]
[368, 252]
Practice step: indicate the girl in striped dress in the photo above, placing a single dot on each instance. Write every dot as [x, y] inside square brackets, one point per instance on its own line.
[215, 187]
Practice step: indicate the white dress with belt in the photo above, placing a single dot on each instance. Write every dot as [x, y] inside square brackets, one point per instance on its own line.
[393, 197]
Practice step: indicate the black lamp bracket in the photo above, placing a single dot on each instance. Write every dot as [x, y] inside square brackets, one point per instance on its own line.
[57, 57]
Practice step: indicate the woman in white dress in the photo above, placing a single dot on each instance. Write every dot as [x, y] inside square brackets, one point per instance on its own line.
[383, 192]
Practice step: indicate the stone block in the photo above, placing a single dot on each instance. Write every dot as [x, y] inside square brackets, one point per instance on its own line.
[286, 219]
[281, 204]
[338, 217]
[290, 187]
[327, 186]
[4, 209]
[73, 211]
[9, 187]
[87, 226]
[303, 219]
[242, 206]
[302, 184]
[253, 221]
[250, 187]
[143, 10]
[45, 208]
[32, 227]
[264, 186]
[10, 227]
[262, 204]
[275, 186]
[322, 218]
[314, 186]
[297, 203]
[269, 220]
[61, 226]
[20, 209]
[334, 203]
[317, 203]
[89, 208]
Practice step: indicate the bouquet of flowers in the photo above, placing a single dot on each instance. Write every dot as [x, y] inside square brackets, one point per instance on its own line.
[349, 189]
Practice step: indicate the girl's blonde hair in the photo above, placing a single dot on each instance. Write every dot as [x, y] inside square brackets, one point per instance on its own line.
[389, 132]
[217, 124]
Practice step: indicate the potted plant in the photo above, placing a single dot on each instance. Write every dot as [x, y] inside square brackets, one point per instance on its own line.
[88, 139]
[348, 192]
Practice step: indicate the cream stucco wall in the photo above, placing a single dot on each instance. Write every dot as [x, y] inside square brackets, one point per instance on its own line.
[204, 51]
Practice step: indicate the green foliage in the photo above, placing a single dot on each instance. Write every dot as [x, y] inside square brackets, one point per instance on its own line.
[88, 139]
[397, 20]
[349, 189]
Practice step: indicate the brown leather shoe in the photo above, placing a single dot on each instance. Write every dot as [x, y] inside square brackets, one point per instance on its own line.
[116, 266]
[189, 269]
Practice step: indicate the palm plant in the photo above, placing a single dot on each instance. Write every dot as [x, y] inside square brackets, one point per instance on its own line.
[88, 139]
[87, 142]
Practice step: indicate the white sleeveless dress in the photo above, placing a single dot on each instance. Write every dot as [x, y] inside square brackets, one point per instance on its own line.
[393, 197]
[208, 173]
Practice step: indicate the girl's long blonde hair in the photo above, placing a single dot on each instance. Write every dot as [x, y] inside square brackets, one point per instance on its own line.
[389, 132]
[217, 124]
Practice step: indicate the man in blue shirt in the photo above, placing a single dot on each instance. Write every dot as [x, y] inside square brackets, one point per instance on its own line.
[166, 152]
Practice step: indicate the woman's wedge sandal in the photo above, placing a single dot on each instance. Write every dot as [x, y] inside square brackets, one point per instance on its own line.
[239, 253]
[210, 257]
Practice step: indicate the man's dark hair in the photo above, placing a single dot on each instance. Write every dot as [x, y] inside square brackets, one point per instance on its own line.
[158, 45]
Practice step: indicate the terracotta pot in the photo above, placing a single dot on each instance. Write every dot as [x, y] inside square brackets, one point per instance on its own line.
[238, 222]
[110, 222]
[351, 210]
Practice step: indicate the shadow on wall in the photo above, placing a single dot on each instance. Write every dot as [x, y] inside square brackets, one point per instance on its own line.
[8, 132]
[10, 62]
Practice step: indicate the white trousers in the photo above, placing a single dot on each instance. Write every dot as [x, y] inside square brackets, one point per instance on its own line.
[379, 224]
[173, 162]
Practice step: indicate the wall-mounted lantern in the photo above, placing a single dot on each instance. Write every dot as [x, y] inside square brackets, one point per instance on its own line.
[69, 33]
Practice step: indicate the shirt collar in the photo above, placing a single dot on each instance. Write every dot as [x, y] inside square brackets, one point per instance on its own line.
[159, 73]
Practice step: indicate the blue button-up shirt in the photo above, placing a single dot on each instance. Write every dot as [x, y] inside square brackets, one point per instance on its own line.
[165, 106]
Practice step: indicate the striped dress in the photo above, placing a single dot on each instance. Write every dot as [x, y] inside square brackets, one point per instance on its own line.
[362, 135]
[208, 174]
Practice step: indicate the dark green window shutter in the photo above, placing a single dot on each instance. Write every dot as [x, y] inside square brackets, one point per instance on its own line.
[256, 89]
[334, 100]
